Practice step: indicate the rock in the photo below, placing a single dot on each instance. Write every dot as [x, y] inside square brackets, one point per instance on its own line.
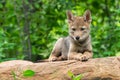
[94, 69]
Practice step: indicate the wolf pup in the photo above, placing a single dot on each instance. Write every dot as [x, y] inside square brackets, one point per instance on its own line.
[77, 45]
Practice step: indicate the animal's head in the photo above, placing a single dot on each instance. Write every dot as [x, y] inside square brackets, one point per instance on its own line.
[79, 26]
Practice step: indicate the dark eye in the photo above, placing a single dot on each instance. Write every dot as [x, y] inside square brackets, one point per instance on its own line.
[73, 29]
[82, 29]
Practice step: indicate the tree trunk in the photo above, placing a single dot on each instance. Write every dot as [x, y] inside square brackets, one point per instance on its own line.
[94, 69]
[26, 31]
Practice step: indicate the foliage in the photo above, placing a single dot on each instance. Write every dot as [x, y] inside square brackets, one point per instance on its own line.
[14, 75]
[73, 77]
[28, 73]
[30, 28]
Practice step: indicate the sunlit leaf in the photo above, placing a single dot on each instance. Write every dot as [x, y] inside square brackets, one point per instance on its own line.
[28, 73]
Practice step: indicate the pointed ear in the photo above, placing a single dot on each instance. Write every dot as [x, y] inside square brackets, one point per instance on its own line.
[69, 16]
[87, 16]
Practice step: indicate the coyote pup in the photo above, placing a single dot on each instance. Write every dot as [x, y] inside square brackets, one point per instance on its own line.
[77, 45]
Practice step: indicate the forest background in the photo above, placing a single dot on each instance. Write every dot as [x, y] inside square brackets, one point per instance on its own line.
[30, 28]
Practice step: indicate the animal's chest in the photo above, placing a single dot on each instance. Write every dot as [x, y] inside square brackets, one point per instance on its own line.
[80, 49]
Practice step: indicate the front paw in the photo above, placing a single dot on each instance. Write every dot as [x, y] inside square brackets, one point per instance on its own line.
[84, 58]
[78, 57]
[81, 57]
[51, 59]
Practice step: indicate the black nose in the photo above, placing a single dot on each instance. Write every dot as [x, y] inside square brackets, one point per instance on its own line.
[77, 38]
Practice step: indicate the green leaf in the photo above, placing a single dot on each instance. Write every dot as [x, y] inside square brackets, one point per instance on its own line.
[28, 73]
[14, 75]
[78, 77]
[1, 6]
[70, 74]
